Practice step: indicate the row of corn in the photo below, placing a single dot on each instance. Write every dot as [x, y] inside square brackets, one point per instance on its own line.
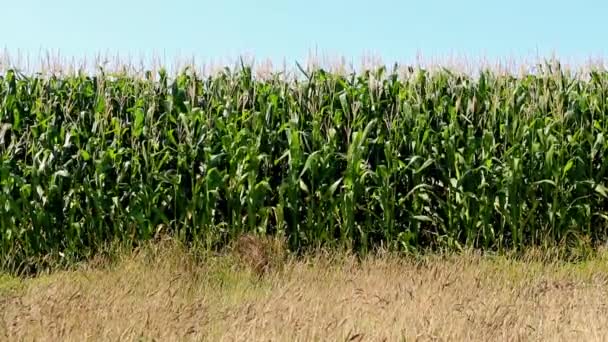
[376, 158]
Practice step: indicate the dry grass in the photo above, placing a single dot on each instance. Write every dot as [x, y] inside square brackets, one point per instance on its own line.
[260, 255]
[165, 294]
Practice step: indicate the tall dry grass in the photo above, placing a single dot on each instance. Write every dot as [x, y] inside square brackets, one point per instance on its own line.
[168, 294]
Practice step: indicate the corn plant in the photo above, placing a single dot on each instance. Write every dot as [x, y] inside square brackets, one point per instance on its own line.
[425, 159]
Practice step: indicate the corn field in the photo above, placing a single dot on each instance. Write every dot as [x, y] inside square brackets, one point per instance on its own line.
[375, 158]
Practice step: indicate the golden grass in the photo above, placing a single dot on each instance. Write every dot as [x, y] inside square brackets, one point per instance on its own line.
[168, 294]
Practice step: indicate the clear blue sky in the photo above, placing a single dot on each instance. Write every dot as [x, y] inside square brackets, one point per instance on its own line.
[395, 30]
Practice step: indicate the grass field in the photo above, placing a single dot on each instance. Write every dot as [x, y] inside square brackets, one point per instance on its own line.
[166, 293]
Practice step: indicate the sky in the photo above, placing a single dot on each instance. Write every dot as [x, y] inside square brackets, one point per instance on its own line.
[290, 30]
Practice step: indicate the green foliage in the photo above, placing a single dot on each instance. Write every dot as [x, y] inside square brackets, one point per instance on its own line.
[437, 160]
